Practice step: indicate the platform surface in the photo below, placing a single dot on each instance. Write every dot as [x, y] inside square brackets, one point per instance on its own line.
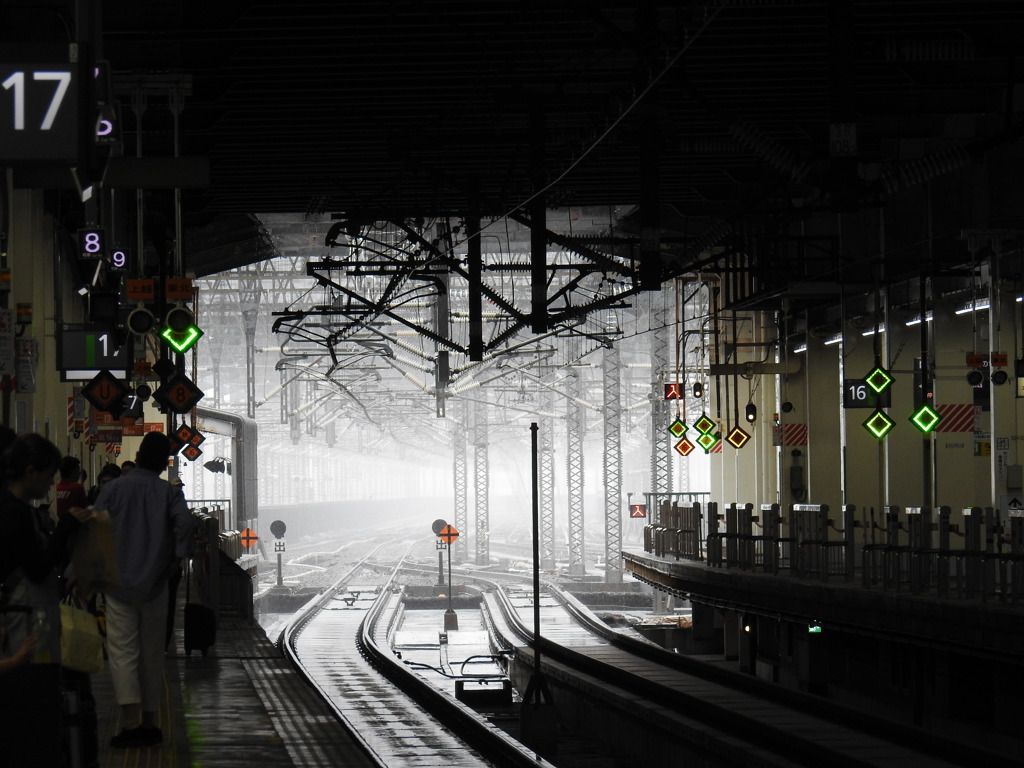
[241, 705]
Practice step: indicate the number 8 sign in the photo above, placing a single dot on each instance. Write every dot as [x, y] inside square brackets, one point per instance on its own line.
[92, 243]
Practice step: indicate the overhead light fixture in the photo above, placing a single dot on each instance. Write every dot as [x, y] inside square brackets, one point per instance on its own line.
[834, 340]
[973, 306]
[873, 330]
[917, 320]
[799, 348]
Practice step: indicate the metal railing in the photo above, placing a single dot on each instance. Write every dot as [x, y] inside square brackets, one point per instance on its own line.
[911, 549]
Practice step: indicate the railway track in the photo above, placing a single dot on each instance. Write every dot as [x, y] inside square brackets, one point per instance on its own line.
[345, 640]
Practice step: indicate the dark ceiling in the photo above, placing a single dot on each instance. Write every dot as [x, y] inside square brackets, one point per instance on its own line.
[411, 106]
[733, 114]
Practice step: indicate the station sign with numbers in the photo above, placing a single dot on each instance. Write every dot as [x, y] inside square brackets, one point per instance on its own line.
[39, 112]
[84, 350]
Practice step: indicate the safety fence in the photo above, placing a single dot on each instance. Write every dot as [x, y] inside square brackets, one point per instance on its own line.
[216, 581]
[912, 549]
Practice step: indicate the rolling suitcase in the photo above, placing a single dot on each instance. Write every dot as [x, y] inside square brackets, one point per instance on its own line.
[200, 621]
[200, 628]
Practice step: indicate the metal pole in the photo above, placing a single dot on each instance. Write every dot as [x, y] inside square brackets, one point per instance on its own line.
[450, 578]
[537, 719]
[536, 554]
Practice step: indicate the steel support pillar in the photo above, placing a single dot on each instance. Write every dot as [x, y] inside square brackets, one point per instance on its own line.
[611, 368]
[459, 429]
[481, 480]
[546, 449]
[661, 460]
[574, 468]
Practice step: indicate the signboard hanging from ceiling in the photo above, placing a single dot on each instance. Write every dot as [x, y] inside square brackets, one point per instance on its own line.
[41, 107]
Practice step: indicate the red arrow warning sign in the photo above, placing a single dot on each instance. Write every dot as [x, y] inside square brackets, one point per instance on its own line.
[448, 535]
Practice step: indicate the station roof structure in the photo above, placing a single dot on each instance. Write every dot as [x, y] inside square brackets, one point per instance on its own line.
[724, 119]
[755, 141]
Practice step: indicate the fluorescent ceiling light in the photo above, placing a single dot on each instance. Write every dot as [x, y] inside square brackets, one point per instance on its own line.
[799, 348]
[976, 306]
[834, 340]
[917, 320]
[874, 330]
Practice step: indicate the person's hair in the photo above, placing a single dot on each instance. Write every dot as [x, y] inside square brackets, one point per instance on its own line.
[153, 452]
[28, 451]
[70, 468]
[126, 465]
[109, 470]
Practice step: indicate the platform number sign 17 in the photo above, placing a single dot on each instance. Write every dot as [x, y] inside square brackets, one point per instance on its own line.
[38, 112]
[16, 84]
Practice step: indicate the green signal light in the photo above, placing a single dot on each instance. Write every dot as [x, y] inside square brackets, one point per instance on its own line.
[814, 629]
[677, 428]
[704, 424]
[707, 441]
[879, 424]
[879, 379]
[925, 419]
[181, 341]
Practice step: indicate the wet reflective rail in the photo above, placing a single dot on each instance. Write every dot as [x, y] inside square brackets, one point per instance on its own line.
[342, 644]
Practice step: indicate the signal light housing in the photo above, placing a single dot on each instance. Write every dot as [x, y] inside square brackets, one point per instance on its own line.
[180, 331]
[179, 318]
[141, 321]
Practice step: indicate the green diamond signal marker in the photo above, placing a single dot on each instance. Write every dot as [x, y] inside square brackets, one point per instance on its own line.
[707, 441]
[879, 424]
[704, 424]
[685, 447]
[925, 419]
[181, 341]
[879, 379]
[677, 428]
[737, 438]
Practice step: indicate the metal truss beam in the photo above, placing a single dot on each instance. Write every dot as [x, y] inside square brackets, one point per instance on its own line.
[459, 476]
[661, 465]
[481, 483]
[546, 448]
[574, 468]
[612, 369]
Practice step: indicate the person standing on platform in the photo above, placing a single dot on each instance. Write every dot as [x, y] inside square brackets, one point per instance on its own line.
[70, 491]
[152, 529]
[30, 694]
[108, 473]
